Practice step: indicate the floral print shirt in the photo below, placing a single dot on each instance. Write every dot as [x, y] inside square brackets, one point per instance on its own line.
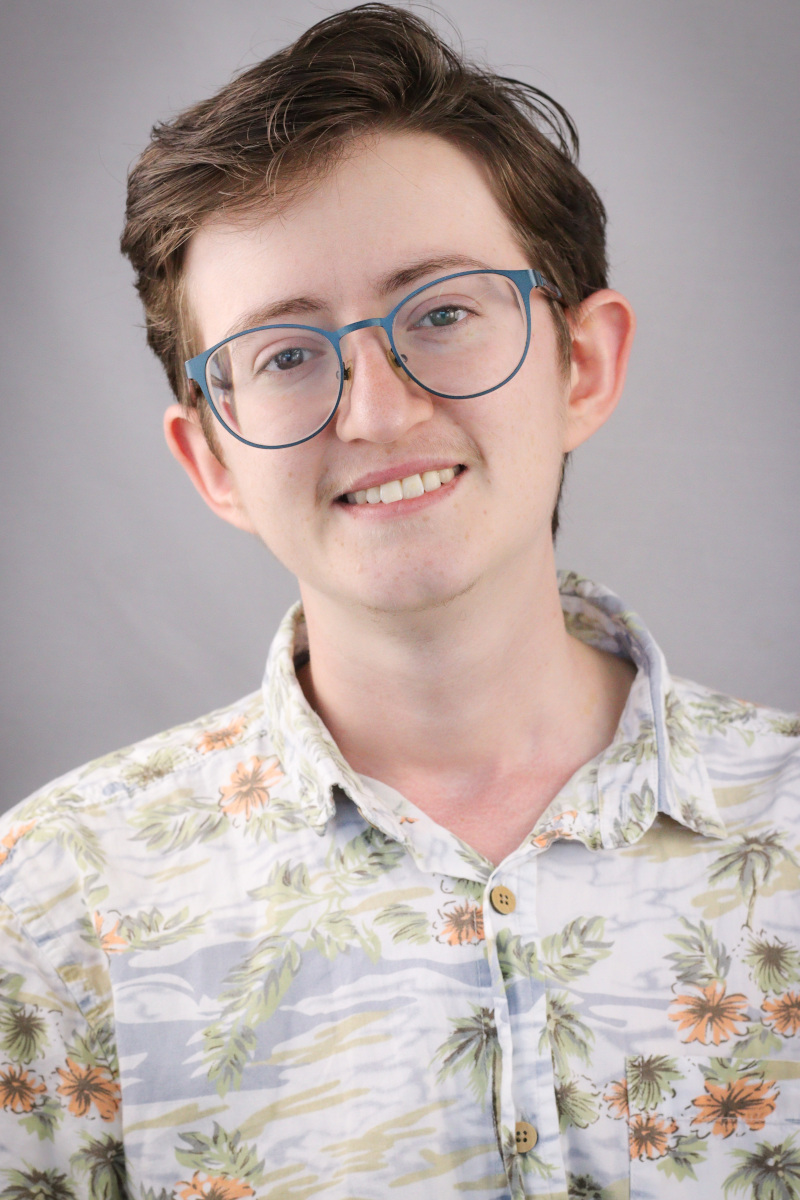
[233, 967]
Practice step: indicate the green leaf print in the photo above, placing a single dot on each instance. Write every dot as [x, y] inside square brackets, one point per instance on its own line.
[253, 991]
[150, 930]
[568, 1036]
[717, 714]
[103, 1160]
[770, 1172]
[758, 1042]
[583, 1187]
[574, 951]
[641, 810]
[23, 1033]
[518, 959]
[682, 1158]
[45, 1119]
[366, 857]
[405, 923]
[650, 1080]
[160, 764]
[180, 820]
[750, 865]
[37, 1185]
[222, 1153]
[700, 959]
[773, 964]
[576, 1106]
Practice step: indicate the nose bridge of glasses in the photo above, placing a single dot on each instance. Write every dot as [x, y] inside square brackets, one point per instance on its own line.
[367, 323]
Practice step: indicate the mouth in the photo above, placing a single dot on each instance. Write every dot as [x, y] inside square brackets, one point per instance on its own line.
[408, 488]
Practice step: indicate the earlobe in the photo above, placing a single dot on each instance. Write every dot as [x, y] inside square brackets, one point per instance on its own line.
[212, 478]
[602, 335]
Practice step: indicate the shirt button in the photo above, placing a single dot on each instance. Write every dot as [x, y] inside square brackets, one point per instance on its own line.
[502, 900]
[525, 1136]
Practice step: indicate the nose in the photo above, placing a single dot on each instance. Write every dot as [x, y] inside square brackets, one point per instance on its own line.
[380, 403]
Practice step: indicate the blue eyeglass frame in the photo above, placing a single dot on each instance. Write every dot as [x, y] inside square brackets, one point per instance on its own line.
[525, 281]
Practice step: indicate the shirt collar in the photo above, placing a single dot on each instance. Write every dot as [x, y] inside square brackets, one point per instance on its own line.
[652, 766]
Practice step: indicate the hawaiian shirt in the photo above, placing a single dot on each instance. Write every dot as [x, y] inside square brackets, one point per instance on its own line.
[233, 967]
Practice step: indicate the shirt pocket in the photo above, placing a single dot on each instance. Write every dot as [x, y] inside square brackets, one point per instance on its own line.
[713, 1127]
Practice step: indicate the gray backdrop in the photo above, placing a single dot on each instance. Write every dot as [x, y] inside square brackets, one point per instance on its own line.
[127, 607]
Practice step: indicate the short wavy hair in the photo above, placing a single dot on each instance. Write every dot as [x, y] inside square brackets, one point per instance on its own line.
[277, 127]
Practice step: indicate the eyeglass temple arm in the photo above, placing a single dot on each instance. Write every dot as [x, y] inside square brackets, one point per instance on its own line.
[538, 281]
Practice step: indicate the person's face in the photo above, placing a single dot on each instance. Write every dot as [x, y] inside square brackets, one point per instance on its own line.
[398, 202]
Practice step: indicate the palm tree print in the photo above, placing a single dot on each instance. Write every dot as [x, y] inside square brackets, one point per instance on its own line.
[773, 964]
[751, 865]
[23, 1033]
[37, 1185]
[473, 1047]
[104, 1162]
[650, 1080]
[770, 1172]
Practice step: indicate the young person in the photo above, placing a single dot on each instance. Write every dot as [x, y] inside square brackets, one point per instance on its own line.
[471, 897]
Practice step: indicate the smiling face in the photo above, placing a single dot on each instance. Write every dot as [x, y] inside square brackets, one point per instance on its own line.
[478, 478]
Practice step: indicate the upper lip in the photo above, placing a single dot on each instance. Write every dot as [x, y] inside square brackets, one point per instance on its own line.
[401, 471]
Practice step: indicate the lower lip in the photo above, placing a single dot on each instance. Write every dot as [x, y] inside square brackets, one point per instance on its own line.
[400, 508]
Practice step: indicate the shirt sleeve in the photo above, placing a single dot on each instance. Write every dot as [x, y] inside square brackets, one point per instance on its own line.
[60, 1126]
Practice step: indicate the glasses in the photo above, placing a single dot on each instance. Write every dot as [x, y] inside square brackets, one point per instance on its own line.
[462, 336]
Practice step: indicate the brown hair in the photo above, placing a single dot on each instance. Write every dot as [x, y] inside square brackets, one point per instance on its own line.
[275, 127]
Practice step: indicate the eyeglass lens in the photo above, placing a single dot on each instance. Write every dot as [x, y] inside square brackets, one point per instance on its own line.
[457, 338]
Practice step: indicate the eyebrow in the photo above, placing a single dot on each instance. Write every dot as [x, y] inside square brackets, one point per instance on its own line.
[392, 281]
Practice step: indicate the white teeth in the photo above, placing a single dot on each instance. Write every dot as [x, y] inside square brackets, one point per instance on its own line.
[403, 489]
[413, 486]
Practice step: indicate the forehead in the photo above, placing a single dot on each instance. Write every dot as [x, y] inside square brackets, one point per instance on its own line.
[394, 200]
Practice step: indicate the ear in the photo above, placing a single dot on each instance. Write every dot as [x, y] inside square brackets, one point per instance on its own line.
[212, 478]
[602, 334]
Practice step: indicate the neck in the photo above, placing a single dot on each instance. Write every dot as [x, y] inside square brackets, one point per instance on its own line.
[483, 697]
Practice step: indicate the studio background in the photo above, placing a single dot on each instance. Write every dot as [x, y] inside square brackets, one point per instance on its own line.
[127, 607]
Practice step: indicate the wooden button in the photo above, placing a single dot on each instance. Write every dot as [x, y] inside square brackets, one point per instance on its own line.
[525, 1136]
[502, 900]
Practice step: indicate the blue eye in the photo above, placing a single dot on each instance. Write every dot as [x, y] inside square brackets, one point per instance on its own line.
[286, 359]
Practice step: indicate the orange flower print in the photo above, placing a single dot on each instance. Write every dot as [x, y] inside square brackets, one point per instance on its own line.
[249, 787]
[730, 1103]
[221, 739]
[213, 1187]
[784, 1014]
[463, 923]
[562, 827]
[649, 1135]
[617, 1098]
[711, 1016]
[19, 1089]
[85, 1086]
[8, 843]
[111, 941]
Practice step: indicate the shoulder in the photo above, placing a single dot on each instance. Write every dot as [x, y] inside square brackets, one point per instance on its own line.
[82, 832]
[751, 752]
[125, 777]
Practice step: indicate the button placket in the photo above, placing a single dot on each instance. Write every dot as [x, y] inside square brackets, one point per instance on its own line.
[529, 1116]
